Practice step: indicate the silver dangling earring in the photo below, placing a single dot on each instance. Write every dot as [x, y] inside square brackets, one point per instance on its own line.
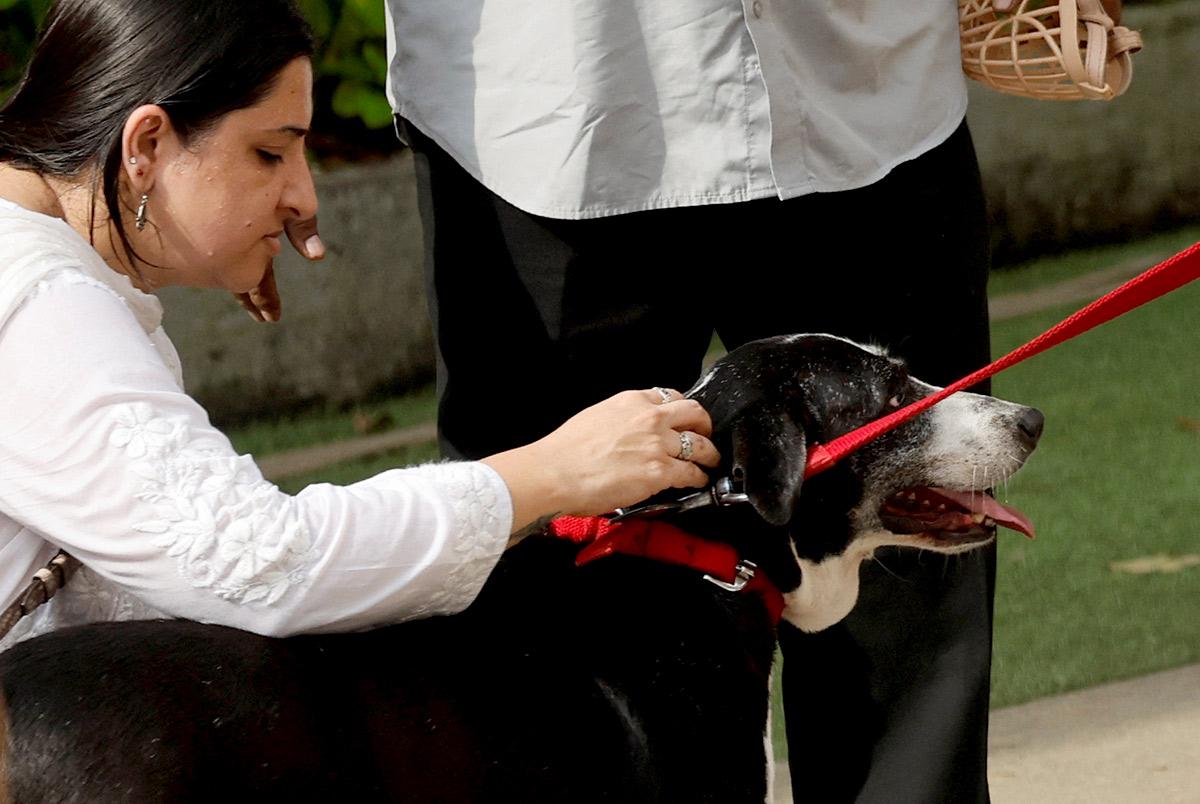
[141, 212]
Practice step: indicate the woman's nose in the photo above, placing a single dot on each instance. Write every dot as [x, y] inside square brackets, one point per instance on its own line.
[300, 194]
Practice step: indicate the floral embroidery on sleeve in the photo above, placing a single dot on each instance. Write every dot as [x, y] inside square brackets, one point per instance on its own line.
[482, 512]
[231, 531]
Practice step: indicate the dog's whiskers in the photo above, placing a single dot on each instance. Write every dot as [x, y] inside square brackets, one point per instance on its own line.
[888, 569]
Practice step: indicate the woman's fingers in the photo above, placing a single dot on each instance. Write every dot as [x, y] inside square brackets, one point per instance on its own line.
[687, 445]
[663, 395]
[266, 296]
[688, 425]
[262, 303]
[685, 474]
[687, 414]
[304, 238]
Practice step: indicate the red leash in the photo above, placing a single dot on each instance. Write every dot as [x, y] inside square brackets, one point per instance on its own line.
[1169, 275]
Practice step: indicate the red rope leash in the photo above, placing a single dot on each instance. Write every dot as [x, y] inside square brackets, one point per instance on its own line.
[1168, 275]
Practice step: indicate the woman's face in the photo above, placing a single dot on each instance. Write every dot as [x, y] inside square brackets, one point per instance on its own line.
[219, 204]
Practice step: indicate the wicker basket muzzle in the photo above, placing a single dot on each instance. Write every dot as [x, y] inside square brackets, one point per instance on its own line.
[1069, 50]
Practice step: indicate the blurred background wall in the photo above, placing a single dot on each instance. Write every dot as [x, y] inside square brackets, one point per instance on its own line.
[1057, 175]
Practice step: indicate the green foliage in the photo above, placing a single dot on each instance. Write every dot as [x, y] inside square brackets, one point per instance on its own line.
[19, 20]
[351, 63]
[350, 67]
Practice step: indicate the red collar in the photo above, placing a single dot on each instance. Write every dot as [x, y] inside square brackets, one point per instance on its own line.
[660, 541]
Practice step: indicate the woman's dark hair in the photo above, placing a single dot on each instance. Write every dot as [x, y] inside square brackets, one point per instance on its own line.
[95, 61]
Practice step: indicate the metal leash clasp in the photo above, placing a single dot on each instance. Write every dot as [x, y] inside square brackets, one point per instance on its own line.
[727, 491]
[723, 492]
[743, 573]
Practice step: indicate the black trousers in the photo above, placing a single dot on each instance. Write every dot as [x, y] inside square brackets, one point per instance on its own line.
[535, 318]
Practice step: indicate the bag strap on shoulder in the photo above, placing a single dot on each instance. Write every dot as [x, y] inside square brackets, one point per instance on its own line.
[45, 584]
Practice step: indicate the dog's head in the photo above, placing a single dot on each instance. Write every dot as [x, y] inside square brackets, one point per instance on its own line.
[921, 485]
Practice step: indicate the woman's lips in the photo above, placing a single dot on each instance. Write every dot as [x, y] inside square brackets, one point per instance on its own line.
[273, 242]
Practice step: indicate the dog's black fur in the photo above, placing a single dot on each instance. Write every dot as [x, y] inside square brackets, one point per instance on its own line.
[621, 681]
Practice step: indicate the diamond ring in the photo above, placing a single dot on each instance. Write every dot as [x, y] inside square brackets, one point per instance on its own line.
[685, 446]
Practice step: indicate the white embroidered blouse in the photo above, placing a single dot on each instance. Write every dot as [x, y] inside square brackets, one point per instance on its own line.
[103, 454]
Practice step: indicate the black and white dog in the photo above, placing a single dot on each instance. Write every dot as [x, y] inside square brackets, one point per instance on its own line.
[624, 680]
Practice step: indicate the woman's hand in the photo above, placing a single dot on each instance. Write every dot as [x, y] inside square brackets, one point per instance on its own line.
[613, 454]
[263, 303]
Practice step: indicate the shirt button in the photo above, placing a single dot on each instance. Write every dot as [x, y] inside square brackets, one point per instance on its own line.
[757, 9]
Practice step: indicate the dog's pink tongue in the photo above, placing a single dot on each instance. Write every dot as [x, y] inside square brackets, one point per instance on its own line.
[980, 503]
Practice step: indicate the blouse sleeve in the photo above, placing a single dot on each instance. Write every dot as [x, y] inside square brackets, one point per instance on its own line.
[105, 456]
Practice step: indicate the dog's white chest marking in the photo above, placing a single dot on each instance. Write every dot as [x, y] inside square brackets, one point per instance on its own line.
[827, 592]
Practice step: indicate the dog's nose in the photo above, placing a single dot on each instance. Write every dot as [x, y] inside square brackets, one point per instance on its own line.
[1030, 425]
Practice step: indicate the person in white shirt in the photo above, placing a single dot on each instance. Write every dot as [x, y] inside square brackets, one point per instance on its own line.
[161, 142]
[616, 180]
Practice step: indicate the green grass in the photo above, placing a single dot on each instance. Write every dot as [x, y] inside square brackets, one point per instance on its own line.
[1117, 476]
[331, 424]
[343, 474]
[1047, 270]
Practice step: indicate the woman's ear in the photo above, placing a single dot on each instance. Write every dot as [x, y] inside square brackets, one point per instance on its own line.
[147, 141]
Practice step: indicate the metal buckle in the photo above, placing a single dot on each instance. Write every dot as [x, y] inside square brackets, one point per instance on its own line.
[743, 573]
[727, 492]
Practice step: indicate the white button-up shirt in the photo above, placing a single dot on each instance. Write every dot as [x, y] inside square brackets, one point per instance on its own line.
[582, 109]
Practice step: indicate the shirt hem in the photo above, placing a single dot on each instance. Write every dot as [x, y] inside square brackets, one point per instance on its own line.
[937, 137]
[677, 200]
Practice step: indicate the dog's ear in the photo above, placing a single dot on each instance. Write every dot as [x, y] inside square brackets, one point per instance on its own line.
[769, 456]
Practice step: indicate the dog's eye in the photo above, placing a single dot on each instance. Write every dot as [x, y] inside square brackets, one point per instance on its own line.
[894, 402]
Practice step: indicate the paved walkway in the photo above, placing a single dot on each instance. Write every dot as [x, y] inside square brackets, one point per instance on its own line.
[1085, 288]
[1129, 742]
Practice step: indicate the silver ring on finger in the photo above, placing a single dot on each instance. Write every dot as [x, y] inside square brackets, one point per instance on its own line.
[685, 446]
[663, 394]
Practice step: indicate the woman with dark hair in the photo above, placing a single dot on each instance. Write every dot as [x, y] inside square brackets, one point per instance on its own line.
[161, 142]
